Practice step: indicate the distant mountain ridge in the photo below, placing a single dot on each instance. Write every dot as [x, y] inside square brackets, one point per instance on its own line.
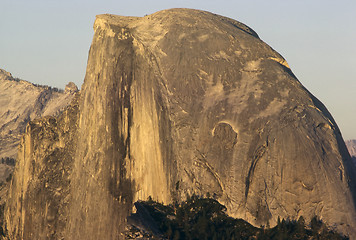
[351, 146]
[21, 102]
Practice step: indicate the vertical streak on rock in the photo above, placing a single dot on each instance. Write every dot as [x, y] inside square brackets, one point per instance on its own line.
[119, 157]
[27, 154]
[147, 161]
[18, 188]
[104, 136]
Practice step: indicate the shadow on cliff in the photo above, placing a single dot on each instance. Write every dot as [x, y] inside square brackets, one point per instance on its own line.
[347, 160]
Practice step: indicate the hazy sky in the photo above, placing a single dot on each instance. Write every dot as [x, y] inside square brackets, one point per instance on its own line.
[47, 41]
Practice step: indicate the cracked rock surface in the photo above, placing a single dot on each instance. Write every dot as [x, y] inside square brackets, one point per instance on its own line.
[174, 103]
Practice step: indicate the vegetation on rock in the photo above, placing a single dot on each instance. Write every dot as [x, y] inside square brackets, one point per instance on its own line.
[206, 218]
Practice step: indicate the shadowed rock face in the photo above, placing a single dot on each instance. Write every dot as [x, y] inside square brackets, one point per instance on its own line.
[175, 103]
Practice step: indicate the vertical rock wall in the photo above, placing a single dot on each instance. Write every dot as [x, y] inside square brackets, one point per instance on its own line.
[119, 155]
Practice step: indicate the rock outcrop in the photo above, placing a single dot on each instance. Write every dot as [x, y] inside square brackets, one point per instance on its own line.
[175, 103]
[20, 102]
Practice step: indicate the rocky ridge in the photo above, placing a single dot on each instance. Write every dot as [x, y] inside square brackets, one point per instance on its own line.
[177, 103]
[21, 102]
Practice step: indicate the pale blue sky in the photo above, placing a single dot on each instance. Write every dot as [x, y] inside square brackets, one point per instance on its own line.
[47, 41]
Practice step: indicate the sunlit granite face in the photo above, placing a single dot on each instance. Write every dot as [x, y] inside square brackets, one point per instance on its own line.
[184, 102]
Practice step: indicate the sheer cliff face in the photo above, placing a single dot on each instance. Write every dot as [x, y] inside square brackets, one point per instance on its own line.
[181, 102]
